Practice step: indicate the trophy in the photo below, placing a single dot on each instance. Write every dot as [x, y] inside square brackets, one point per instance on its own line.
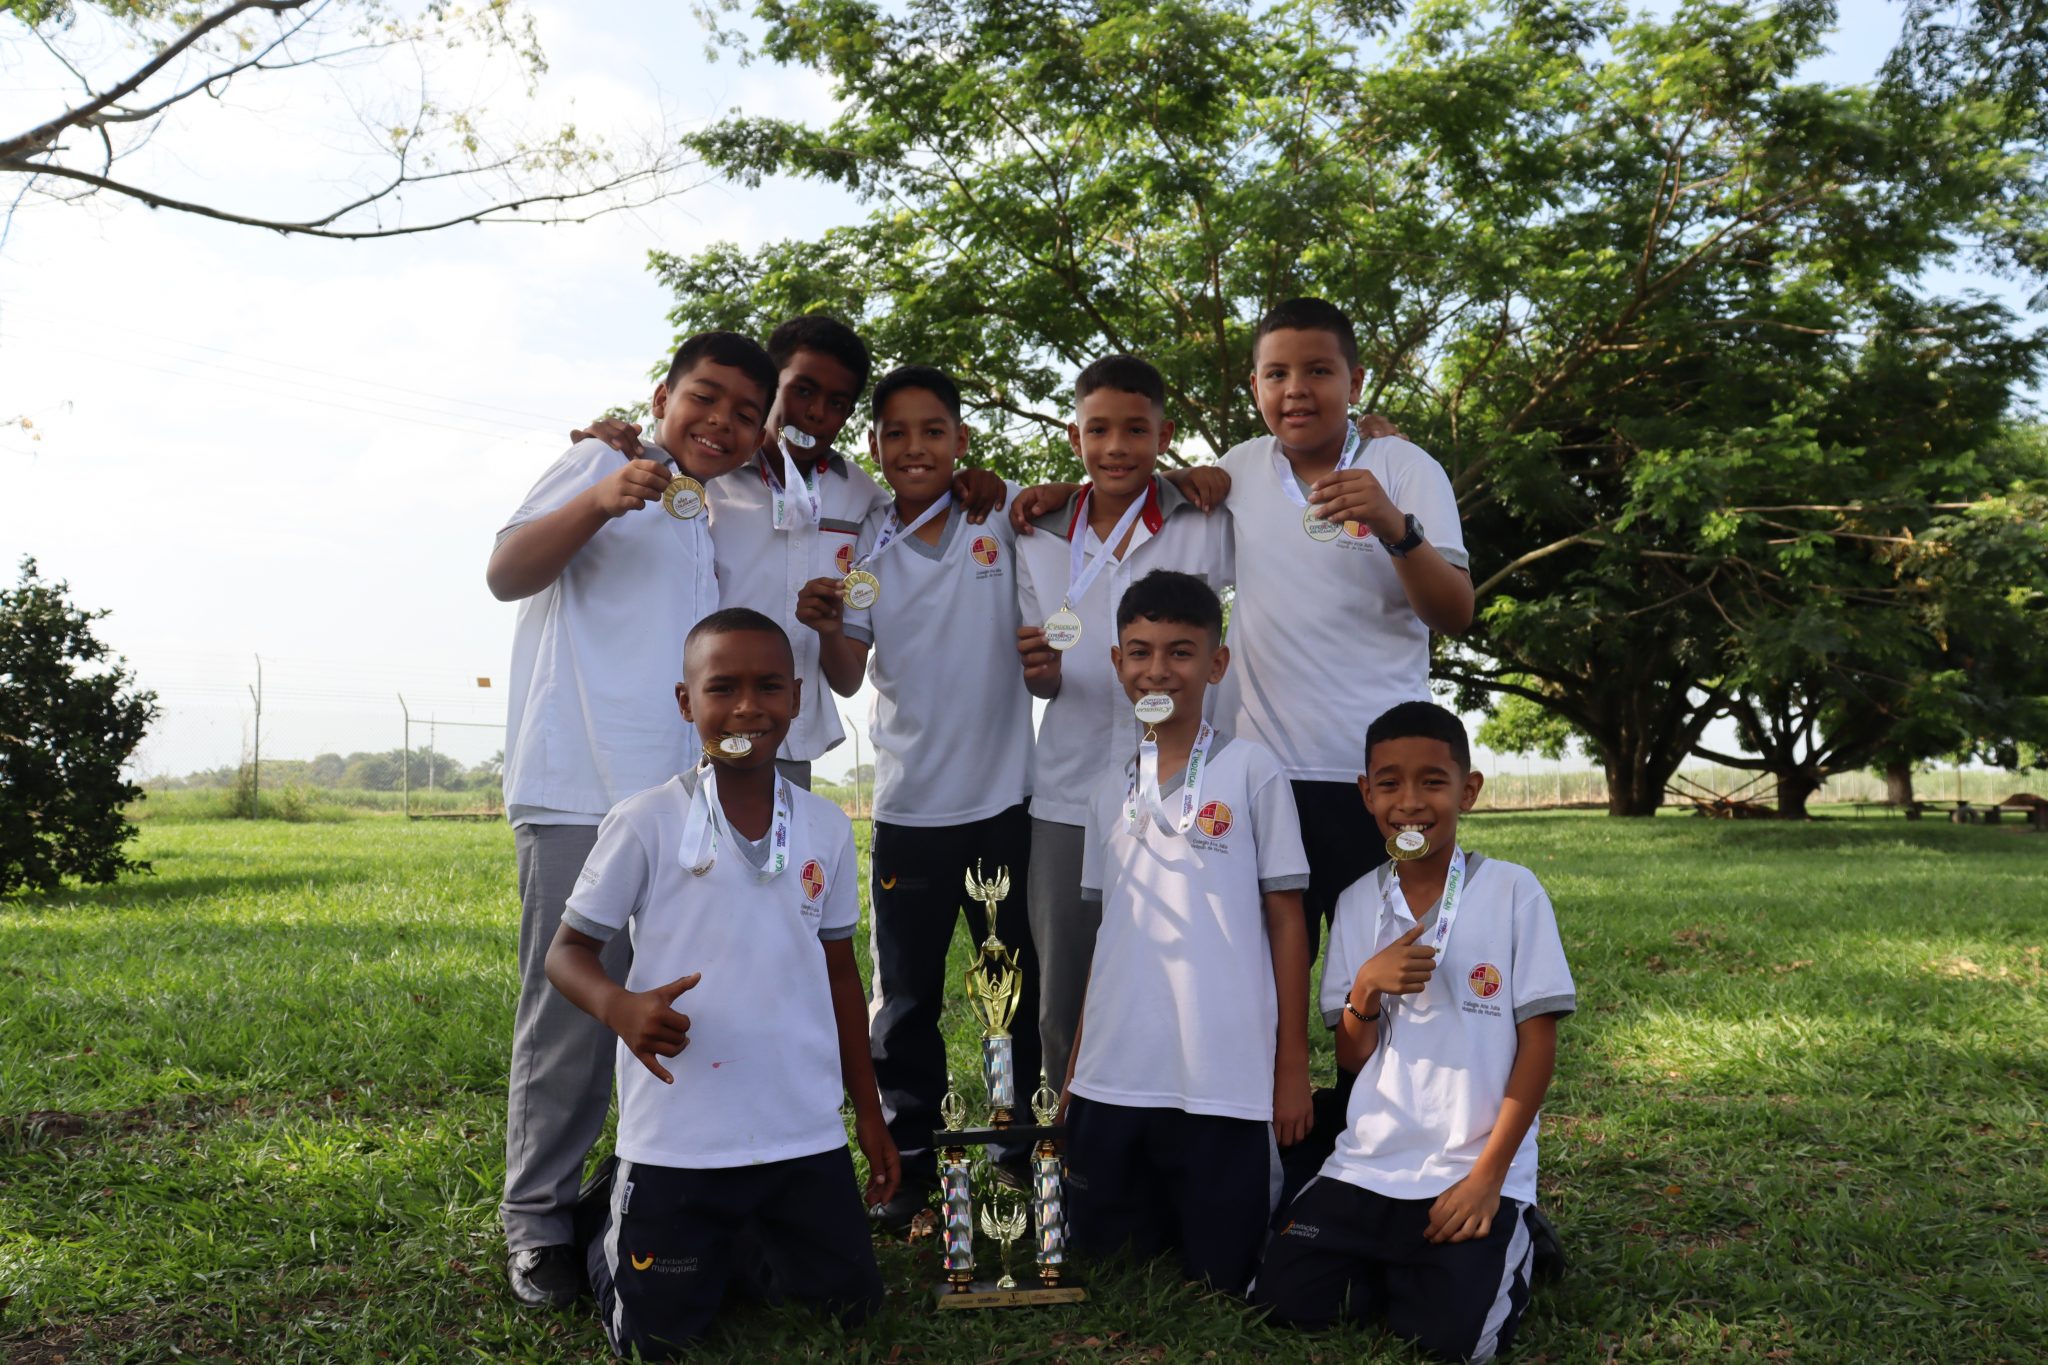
[994, 982]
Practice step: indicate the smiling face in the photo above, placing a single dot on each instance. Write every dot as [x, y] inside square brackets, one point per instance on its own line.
[1174, 657]
[816, 396]
[1417, 783]
[1119, 436]
[741, 682]
[917, 441]
[710, 418]
[1304, 387]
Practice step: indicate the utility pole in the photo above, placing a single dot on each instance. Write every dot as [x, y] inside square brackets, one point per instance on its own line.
[256, 786]
[856, 773]
[433, 736]
[405, 758]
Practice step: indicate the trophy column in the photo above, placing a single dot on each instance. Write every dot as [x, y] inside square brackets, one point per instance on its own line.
[959, 1199]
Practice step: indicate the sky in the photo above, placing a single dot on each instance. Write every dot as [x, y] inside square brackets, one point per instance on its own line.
[248, 445]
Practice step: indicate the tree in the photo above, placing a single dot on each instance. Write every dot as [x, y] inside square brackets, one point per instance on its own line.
[1517, 725]
[70, 717]
[141, 72]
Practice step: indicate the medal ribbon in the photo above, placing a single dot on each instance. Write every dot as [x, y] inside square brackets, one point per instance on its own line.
[1291, 486]
[896, 530]
[706, 821]
[1082, 571]
[1447, 908]
[696, 534]
[789, 512]
[1144, 788]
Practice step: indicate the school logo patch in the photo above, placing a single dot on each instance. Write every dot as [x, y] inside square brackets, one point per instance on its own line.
[985, 550]
[843, 557]
[813, 878]
[1484, 981]
[1213, 819]
[642, 1262]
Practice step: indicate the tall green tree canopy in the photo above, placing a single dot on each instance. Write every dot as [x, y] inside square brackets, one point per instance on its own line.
[1618, 273]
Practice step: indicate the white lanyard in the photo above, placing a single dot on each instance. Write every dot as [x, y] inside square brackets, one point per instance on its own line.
[1289, 485]
[896, 530]
[696, 537]
[1447, 908]
[707, 820]
[1082, 571]
[788, 511]
[1144, 788]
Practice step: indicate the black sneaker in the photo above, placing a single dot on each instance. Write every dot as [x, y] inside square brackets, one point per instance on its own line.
[547, 1277]
[594, 1203]
[1545, 1249]
[1013, 1172]
[894, 1216]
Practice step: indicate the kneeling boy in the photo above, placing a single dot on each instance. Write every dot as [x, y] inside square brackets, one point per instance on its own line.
[1192, 1056]
[738, 892]
[1445, 978]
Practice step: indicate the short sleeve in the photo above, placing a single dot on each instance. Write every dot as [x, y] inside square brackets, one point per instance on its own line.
[856, 621]
[1341, 959]
[1092, 836]
[1276, 826]
[842, 891]
[1423, 490]
[1543, 980]
[614, 881]
[580, 467]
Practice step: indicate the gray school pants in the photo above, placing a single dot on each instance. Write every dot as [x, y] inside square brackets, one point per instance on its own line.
[1063, 930]
[561, 1057]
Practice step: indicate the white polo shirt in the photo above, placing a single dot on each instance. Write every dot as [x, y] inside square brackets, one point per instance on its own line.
[1322, 636]
[952, 721]
[1181, 1011]
[1087, 732]
[763, 568]
[1426, 1102]
[591, 711]
[760, 1079]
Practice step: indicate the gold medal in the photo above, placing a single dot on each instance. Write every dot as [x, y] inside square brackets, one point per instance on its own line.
[1317, 528]
[1063, 629]
[683, 498]
[729, 747]
[860, 589]
[1407, 846]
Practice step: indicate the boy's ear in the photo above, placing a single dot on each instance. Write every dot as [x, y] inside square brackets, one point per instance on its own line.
[683, 702]
[1357, 381]
[875, 445]
[796, 697]
[1165, 434]
[658, 404]
[1116, 661]
[1474, 781]
[1074, 438]
[960, 441]
[1219, 665]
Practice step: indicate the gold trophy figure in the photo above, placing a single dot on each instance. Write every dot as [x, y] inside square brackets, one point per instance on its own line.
[994, 983]
[1005, 1230]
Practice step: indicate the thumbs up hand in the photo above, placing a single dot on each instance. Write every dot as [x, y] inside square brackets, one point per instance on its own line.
[650, 1026]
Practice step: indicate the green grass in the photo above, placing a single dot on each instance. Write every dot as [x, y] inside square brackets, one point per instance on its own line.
[251, 1108]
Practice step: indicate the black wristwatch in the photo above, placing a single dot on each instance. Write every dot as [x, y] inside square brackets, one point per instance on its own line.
[1399, 548]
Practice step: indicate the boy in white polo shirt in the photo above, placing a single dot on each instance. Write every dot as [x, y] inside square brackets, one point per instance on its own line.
[1348, 554]
[1087, 551]
[737, 890]
[935, 598]
[1445, 979]
[1192, 1057]
[796, 512]
[611, 564]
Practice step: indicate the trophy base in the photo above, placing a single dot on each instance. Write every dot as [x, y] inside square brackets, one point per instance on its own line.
[984, 1294]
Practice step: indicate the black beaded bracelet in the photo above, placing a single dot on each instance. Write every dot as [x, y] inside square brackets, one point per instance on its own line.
[1361, 1018]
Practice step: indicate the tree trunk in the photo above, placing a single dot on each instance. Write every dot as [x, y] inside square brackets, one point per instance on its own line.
[1898, 784]
[1795, 785]
[1630, 789]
